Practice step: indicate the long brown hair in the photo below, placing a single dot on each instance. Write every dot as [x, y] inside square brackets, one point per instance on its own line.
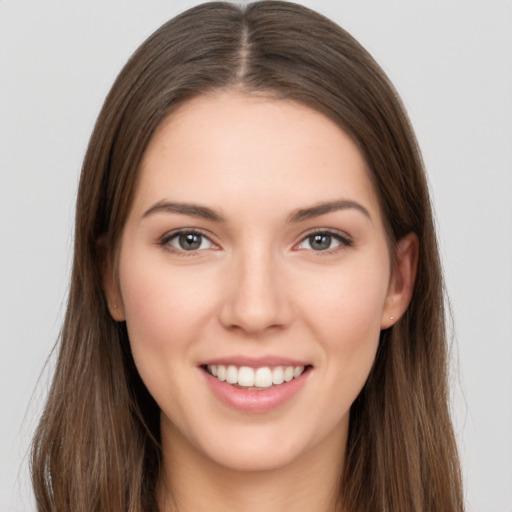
[97, 445]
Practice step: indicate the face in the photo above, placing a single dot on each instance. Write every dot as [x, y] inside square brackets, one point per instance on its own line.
[254, 277]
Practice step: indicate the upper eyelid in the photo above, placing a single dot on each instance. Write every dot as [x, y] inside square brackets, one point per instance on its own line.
[175, 232]
[330, 231]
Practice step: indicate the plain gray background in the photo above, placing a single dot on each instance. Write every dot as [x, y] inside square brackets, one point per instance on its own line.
[451, 60]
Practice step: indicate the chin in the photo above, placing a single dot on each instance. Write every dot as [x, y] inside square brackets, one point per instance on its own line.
[252, 457]
[269, 446]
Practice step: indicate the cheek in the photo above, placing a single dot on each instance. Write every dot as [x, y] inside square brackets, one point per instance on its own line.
[160, 302]
[166, 312]
[345, 313]
[347, 305]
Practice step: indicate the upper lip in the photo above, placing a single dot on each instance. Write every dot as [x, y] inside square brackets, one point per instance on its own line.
[255, 362]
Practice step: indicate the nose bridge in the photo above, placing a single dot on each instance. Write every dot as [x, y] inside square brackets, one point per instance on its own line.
[256, 300]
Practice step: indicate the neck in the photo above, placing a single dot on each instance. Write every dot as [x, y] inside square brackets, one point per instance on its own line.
[191, 482]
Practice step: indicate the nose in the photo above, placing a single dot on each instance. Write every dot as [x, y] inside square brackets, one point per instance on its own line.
[257, 298]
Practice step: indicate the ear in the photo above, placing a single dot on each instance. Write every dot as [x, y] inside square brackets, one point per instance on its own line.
[401, 284]
[112, 292]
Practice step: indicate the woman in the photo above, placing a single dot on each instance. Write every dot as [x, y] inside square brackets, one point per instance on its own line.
[255, 317]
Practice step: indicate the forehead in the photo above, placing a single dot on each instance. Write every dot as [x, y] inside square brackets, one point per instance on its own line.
[233, 150]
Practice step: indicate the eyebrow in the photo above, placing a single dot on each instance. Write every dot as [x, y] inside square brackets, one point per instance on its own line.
[195, 210]
[328, 207]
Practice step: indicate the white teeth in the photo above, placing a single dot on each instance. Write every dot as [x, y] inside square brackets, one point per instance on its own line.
[246, 376]
[278, 375]
[263, 377]
[221, 372]
[288, 373]
[232, 374]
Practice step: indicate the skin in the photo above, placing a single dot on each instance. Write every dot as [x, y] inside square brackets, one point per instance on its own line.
[255, 287]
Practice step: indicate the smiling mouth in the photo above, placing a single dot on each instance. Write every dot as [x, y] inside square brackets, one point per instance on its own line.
[255, 379]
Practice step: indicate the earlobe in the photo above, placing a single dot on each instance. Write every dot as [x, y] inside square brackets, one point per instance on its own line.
[112, 293]
[402, 280]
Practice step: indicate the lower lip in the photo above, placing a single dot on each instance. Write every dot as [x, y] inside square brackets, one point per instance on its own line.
[255, 401]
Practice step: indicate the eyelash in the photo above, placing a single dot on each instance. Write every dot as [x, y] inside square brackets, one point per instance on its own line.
[342, 238]
[166, 239]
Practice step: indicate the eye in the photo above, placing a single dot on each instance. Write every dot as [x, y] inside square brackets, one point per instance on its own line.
[324, 241]
[187, 241]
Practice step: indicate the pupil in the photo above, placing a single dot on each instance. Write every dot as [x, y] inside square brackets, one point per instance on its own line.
[320, 242]
[190, 241]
